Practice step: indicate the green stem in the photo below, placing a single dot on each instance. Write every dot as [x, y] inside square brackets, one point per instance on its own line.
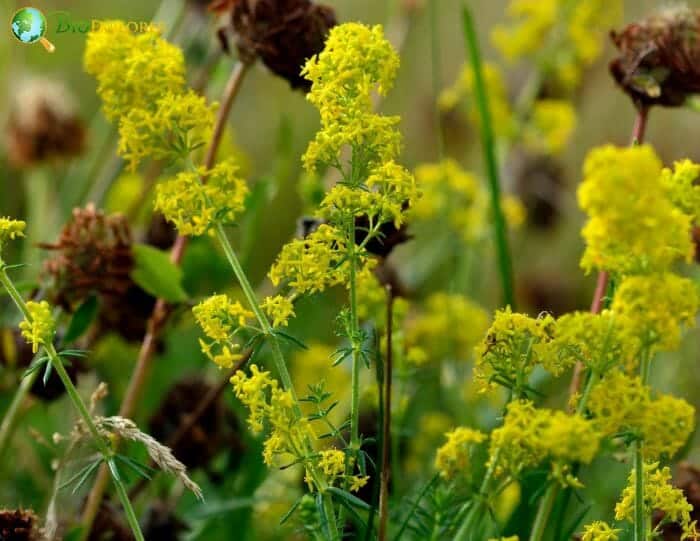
[639, 515]
[505, 265]
[545, 508]
[473, 511]
[354, 331]
[10, 418]
[124, 498]
[252, 299]
[436, 75]
[78, 403]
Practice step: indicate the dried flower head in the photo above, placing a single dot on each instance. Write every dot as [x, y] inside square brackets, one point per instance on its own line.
[43, 124]
[91, 256]
[283, 33]
[19, 525]
[659, 62]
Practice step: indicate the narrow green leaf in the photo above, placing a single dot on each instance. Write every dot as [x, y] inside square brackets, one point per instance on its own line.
[88, 472]
[82, 319]
[47, 373]
[289, 337]
[289, 513]
[156, 274]
[349, 498]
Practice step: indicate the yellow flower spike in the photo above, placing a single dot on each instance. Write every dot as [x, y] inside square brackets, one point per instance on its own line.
[654, 308]
[682, 187]
[454, 457]
[39, 329]
[600, 531]
[279, 309]
[641, 234]
[195, 206]
[178, 124]
[659, 494]
[332, 462]
[219, 317]
[550, 126]
[133, 71]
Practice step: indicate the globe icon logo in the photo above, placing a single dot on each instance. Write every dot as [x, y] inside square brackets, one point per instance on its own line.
[29, 26]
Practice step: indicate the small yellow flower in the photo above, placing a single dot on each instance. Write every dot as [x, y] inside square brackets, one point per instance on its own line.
[10, 229]
[332, 462]
[196, 200]
[178, 124]
[279, 308]
[39, 328]
[682, 186]
[454, 457]
[550, 126]
[218, 316]
[599, 531]
[659, 494]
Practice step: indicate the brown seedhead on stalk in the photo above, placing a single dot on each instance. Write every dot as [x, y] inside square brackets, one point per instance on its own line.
[282, 33]
[93, 256]
[659, 62]
[44, 125]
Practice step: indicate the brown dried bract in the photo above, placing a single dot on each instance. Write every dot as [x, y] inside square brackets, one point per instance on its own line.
[284, 34]
[660, 58]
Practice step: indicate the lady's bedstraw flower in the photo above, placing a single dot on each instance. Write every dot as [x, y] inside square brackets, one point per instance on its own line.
[312, 264]
[454, 457]
[220, 318]
[177, 125]
[681, 183]
[530, 436]
[599, 341]
[621, 404]
[563, 37]
[133, 70]
[39, 328]
[600, 531]
[196, 200]
[448, 328]
[624, 234]
[653, 308]
[10, 230]
[659, 494]
[550, 126]
[449, 192]
[513, 346]
[279, 309]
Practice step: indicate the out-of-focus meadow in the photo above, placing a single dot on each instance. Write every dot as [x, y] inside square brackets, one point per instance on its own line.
[268, 130]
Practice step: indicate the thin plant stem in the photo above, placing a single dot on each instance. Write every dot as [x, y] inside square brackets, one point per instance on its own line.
[9, 420]
[472, 509]
[543, 511]
[98, 439]
[505, 265]
[386, 419]
[639, 515]
[161, 311]
[354, 331]
[436, 74]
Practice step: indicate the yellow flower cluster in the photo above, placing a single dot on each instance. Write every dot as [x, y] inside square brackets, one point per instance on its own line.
[550, 126]
[39, 328]
[652, 308]
[179, 124]
[683, 189]
[10, 229]
[597, 340]
[449, 191]
[562, 36]
[513, 346]
[600, 531]
[196, 200]
[220, 318]
[530, 436]
[627, 234]
[279, 309]
[268, 403]
[659, 494]
[620, 403]
[454, 457]
[314, 263]
[503, 119]
[132, 70]
[448, 328]
[356, 61]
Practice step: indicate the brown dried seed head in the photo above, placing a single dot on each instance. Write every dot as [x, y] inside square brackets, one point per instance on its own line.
[19, 525]
[43, 125]
[282, 33]
[659, 62]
